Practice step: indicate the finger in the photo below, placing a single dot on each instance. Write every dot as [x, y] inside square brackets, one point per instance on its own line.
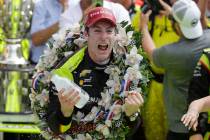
[183, 118]
[73, 102]
[139, 96]
[192, 122]
[195, 126]
[187, 120]
[128, 101]
[165, 5]
[163, 12]
[61, 91]
[135, 99]
[126, 93]
[73, 96]
[61, 94]
[148, 13]
[76, 100]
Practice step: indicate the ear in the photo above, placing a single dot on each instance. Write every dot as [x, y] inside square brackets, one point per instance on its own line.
[86, 34]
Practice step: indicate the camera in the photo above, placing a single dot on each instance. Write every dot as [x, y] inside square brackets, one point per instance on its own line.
[153, 5]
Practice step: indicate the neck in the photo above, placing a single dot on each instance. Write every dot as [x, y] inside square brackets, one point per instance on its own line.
[99, 62]
[103, 62]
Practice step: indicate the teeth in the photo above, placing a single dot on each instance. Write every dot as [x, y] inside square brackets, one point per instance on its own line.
[103, 44]
[103, 47]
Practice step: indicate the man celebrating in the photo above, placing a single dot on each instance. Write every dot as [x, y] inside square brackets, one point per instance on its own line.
[88, 72]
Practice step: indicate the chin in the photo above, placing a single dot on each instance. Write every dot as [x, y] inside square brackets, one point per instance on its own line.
[104, 60]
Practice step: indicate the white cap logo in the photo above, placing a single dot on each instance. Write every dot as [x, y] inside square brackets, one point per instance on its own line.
[194, 22]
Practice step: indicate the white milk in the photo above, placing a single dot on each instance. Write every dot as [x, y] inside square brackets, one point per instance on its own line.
[61, 82]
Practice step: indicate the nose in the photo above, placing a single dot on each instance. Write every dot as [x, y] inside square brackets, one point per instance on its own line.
[104, 35]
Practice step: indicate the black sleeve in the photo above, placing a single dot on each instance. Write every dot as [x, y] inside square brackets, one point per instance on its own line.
[199, 85]
[54, 114]
[134, 126]
[199, 88]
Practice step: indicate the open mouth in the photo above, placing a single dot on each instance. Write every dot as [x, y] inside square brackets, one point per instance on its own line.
[103, 47]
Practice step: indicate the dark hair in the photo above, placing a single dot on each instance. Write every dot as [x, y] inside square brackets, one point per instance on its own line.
[154, 5]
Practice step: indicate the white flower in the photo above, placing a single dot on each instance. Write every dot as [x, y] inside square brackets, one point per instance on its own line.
[133, 58]
[103, 129]
[122, 38]
[46, 135]
[81, 137]
[68, 53]
[108, 123]
[80, 42]
[60, 35]
[132, 74]
[78, 116]
[75, 29]
[59, 38]
[112, 70]
[68, 137]
[32, 97]
[92, 115]
[114, 85]
[105, 100]
[116, 109]
[119, 50]
[43, 98]
[88, 136]
[49, 57]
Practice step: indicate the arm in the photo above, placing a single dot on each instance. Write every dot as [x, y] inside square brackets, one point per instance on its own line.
[202, 5]
[41, 33]
[190, 119]
[60, 110]
[147, 42]
[199, 88]
[133, 102]
[40, 37]
[204, 104]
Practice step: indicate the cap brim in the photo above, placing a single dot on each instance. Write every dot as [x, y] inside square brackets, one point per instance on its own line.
[101, 19]
[192, 33]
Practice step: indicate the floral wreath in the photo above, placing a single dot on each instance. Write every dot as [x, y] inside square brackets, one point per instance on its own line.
[128, 71]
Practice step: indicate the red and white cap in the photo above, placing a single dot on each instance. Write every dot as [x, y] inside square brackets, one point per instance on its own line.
[99, 13]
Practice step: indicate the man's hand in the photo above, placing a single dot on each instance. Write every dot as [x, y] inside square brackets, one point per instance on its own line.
[133, 101]
[190, 119]
[167, 8]
[144, 20]
[68, 99]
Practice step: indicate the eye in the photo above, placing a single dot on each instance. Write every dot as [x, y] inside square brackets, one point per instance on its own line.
[97, 30]
[109, 31]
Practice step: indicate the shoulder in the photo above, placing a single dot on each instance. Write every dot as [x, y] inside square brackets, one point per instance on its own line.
[72, 61]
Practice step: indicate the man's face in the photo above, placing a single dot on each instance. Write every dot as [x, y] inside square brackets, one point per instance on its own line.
[100, 39]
